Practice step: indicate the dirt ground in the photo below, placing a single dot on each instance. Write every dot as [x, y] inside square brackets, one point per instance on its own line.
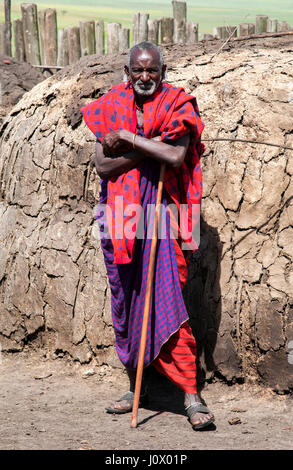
[58, 404]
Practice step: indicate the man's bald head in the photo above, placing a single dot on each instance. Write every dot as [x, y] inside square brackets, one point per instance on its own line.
[145, 46]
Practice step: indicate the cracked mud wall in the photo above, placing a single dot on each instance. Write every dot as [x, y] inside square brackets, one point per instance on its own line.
[54, 291]
[16, 78]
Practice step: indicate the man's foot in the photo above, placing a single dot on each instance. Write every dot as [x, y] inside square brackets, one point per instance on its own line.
[199, 415]
[125, 403]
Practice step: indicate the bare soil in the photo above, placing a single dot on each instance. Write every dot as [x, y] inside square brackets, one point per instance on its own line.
[51, 404]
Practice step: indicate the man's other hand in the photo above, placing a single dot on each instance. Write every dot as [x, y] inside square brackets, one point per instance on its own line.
[116, 142]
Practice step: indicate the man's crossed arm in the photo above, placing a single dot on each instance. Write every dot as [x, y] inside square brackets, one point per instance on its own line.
[110, 160]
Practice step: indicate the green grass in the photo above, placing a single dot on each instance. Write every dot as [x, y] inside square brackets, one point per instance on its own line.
[207, 14]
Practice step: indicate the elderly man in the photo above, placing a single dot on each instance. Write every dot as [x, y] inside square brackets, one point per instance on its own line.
[140, 124]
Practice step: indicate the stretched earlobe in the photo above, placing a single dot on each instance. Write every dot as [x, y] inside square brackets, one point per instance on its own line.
[125, 78]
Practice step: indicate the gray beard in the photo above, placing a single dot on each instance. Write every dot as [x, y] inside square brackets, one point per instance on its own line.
[143, 92]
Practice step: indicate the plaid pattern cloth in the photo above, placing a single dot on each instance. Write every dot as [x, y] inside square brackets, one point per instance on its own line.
[169, 113]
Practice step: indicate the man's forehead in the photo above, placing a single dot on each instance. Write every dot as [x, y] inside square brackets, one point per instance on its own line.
[152, 55]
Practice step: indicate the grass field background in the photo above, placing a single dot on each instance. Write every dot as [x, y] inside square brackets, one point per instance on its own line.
[207, 13]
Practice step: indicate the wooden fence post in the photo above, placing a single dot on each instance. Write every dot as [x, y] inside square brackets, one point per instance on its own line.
[179, 14]
[153, 31]
[227, 30]
[272, 26]
[100, 37]
[113, 38]
[261, 22]
[207, 37]
[246, 29]
[143, 27]
[48, 35]
[167, 30]
[135, 28]
[191, 33]
[63, 48]
[232, 29]
[19, 52]
[283, 26]
[7, 8]
[124, 39]
[74, 50]
[87, 37]
[2, 39]
[31, 33]
[217, 32]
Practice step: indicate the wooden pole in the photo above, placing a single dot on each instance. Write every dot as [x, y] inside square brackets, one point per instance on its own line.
[282, 26]
[264, 35]
[191, 33]
[124, 39]
[7, 7]
[100, 37]
[48, 35]
[207, 37]
[167, 30]
[143, 27]
[135, 28]
[149, 286]
[113, 38]
[227, 31]
[87, 38]
[246, 29]
[2, 39]
[217, 32]
[74, 44]
[63, 48]
[261, 23]
[179, 14]
[19, 52]
[153, 31]
[31, 33]
[272, 26]
[232, 31]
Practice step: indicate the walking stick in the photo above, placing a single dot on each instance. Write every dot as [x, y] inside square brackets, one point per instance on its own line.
[146, 311]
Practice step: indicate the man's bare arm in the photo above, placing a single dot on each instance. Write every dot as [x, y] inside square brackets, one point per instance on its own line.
[111, 166]
[172, 153]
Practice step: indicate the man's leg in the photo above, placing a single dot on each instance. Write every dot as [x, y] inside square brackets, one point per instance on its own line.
[177, 361]
[125, 403]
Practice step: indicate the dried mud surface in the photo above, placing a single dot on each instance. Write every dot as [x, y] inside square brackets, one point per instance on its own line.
[48, 404]
[16, 78]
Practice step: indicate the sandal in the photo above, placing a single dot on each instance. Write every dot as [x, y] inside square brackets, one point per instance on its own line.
[129, 396]
[198, 408]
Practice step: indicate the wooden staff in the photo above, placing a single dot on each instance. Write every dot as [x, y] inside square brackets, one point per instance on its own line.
[146, 311]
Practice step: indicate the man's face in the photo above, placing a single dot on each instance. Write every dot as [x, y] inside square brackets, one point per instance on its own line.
[145, 71]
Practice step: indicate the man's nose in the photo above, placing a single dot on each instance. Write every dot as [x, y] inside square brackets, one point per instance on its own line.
[145, 76]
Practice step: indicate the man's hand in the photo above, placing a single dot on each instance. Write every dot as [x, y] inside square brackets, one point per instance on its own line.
[117, 142]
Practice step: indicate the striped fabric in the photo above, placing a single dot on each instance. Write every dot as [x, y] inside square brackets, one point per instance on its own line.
[177, 359]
